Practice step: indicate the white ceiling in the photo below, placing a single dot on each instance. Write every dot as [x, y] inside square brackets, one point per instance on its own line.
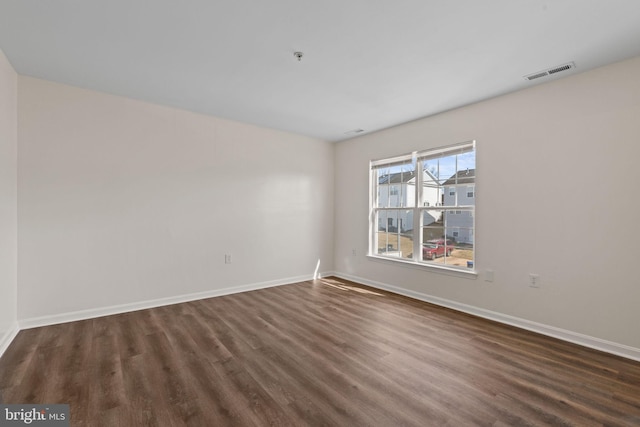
[367, 64]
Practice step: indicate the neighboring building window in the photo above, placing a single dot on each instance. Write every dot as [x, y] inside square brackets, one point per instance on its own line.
[433, 226]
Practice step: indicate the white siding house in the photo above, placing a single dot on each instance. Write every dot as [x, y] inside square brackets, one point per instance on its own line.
[460, 188]
[397, 190]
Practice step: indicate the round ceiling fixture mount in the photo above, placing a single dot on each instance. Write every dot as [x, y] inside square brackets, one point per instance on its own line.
[298, 55]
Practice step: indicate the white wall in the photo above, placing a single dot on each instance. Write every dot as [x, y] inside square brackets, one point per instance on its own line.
[556, 164]
[123, 201]
[8, 201]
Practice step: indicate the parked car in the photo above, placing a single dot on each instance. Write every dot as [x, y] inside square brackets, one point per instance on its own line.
[433, 249]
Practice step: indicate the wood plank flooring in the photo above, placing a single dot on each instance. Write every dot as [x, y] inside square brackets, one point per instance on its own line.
[325, 353]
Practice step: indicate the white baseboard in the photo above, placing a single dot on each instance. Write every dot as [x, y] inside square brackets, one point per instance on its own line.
[563, 334]
[142, 305]
[8, 337]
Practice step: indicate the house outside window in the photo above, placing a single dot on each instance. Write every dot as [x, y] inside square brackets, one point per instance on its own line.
[423, 207]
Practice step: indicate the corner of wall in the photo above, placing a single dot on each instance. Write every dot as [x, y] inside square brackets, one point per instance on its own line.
[9, 205]
[7, 338]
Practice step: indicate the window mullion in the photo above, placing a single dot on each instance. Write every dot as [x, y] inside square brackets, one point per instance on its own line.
[417, 223]
[373, 212]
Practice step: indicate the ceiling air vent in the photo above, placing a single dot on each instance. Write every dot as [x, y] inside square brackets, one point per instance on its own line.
[551, 71]
[354, 132]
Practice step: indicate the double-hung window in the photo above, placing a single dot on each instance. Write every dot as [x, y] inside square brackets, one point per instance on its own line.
[423, 207]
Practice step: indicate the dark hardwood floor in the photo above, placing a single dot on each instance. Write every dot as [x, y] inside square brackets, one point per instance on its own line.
[328, 352]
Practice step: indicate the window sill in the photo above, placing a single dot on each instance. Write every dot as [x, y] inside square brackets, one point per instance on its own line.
[440, 269]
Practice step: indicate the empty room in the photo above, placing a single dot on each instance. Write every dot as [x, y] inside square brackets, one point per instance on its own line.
[298, 213]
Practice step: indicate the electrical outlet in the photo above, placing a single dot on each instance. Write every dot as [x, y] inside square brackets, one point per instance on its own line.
[488, 275]
[534, 280]
[227, 258]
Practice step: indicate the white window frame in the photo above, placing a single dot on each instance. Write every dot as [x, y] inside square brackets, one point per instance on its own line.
[417, 158]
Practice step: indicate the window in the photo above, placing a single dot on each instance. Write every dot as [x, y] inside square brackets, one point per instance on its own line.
[394, 191]
[432, 223]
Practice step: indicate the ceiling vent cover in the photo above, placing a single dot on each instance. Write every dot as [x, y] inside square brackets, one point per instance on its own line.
[551, 71]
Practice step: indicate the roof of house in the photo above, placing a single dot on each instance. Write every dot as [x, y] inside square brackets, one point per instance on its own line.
[397, 178]
[402, 177]
[467, 176]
